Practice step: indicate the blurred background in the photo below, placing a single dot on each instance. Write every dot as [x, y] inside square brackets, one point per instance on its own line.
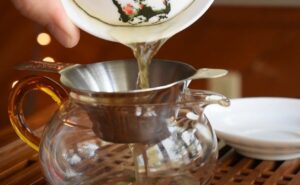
[257, 40]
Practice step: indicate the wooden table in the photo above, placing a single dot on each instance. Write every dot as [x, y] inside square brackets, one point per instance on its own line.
[19, 165]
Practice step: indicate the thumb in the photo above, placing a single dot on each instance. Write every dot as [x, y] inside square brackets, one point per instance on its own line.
[51, 14]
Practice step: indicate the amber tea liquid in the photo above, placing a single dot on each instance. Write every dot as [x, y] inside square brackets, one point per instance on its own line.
[144, 52]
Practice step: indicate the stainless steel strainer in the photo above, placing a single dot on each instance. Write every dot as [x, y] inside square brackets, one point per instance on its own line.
[105, 89]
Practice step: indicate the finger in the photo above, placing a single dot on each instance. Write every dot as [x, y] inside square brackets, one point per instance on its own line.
[51, 14]
[62, 27]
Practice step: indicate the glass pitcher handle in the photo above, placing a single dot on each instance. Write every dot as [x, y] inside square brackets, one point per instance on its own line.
[15, 104]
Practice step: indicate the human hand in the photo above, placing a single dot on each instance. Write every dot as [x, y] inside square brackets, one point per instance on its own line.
[51, 14]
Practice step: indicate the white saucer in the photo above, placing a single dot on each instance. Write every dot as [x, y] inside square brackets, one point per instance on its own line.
[262, 128]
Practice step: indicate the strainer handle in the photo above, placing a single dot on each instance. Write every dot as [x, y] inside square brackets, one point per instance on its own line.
[16, 99]
[35, 65]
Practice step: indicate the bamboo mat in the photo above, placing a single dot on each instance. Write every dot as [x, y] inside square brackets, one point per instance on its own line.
[19, 165]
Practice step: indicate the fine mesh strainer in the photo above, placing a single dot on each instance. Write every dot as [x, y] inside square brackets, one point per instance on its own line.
[106, 90]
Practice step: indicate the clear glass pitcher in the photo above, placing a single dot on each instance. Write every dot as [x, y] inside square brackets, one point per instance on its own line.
[91, 140]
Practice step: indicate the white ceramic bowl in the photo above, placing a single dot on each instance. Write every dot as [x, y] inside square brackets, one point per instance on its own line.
[262, 128]
[129, 21]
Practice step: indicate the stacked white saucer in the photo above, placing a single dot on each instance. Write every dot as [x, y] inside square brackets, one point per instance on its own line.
[263, 127]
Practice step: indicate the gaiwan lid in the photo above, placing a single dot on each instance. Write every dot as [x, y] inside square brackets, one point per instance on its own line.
[137, 20]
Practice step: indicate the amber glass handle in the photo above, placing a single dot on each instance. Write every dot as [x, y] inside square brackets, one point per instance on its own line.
[16, 99]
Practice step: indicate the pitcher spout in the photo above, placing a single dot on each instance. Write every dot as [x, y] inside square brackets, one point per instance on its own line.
[207, 98]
